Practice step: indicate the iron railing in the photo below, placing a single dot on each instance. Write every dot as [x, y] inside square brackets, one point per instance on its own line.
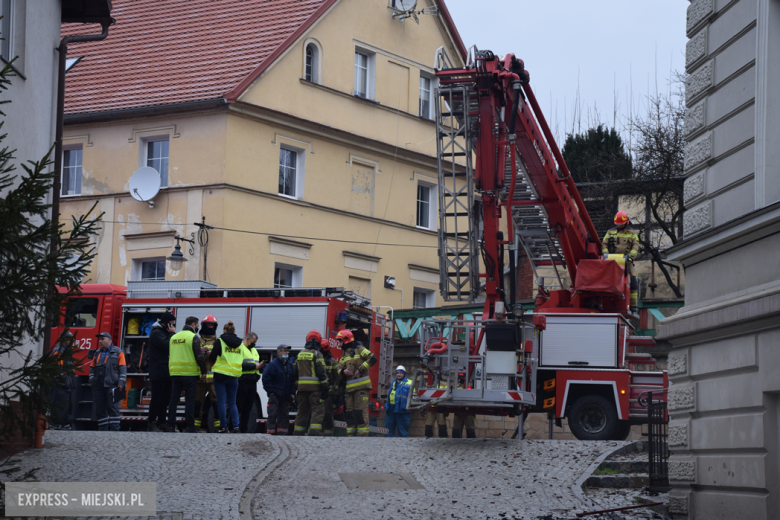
[658, 444]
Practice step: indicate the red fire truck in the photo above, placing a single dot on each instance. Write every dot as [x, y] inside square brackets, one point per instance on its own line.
[276, 315]
[575, 356]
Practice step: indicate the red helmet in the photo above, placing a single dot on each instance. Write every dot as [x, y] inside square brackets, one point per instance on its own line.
[325, 344]
[621, 218]
[313, 335]
[346, 336]
[209, 319]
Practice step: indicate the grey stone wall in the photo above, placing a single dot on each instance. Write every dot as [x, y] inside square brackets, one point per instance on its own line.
[724, 367]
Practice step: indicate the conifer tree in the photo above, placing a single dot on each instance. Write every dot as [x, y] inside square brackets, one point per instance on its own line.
[30, 269]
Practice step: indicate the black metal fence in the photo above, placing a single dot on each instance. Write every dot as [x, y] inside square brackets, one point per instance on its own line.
[658, 444]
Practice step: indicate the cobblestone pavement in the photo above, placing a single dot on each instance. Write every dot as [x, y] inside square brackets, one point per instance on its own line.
[613, 498]
[262, 477]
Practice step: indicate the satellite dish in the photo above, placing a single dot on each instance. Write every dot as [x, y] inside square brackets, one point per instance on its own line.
[145, 184]
[405, 5]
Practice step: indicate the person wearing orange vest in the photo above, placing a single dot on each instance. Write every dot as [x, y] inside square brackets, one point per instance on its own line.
[356, 361]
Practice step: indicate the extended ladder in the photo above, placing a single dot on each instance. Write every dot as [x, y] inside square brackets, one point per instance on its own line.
[531, 222]
[458, 241]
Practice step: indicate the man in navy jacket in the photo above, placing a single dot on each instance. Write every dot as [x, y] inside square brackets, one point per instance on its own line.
[278, 385]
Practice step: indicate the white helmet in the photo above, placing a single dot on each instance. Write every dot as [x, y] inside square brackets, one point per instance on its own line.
[401, 369]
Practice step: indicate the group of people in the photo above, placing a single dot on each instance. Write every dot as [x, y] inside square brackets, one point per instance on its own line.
[327, 390]
[212, 372]
[221, 373]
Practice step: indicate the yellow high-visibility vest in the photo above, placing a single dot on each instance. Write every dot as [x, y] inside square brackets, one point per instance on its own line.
[230, 361]
[253, 354]
[182, 360]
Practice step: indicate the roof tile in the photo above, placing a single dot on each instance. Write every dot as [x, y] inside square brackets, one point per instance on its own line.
[174, 51]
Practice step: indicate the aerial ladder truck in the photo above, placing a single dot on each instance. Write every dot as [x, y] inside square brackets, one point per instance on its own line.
[575, 355]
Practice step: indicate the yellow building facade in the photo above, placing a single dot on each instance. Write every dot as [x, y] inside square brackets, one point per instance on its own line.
[320, 173]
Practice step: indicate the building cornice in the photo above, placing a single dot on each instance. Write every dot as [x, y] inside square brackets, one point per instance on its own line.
[371, 102]
[153, 234]
[328, 133]
[361, 256]
[289, 242]
[111, 116]
[737, 233]
[424, 268]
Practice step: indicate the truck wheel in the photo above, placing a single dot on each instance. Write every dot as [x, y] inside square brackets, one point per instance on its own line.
[593, 418]
[622, 431]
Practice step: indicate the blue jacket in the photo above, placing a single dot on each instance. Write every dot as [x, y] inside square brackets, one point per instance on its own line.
[278, 378]
[398, 396]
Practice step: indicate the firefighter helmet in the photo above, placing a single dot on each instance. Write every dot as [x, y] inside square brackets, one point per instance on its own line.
[209, 319]
[621, 218]
[313, 335]
[345, 336]
[325, 345]
[401, 368]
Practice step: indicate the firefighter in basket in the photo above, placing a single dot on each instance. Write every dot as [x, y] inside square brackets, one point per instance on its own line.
[623, 240]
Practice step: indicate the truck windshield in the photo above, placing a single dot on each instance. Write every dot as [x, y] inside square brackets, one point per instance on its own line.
[82, 312]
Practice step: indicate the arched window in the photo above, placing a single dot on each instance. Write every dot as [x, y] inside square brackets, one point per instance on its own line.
[311, 70]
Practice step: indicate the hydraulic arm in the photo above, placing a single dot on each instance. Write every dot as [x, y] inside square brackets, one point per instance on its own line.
[498, 158]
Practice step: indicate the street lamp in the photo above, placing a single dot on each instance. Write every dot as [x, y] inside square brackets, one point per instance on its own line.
[177, 259]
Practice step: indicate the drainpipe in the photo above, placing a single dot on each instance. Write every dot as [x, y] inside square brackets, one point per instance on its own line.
[55, 200]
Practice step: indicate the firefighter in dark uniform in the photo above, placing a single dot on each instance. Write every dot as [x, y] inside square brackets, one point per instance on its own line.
[461, 420]
[333, 400]
[624, 240]
[356, 361]
[312, 382]
[206, 395]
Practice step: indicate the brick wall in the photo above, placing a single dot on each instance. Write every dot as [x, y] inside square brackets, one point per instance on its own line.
[524, 277]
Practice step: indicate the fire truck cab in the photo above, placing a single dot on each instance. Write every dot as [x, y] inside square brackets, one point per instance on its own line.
[276, 315]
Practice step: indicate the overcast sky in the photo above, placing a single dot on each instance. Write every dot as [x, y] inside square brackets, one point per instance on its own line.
[598, 47]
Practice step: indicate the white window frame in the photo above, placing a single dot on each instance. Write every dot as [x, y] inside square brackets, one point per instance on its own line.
[70, 148]
[433, 204]
[300, 170]
[296, 271]
[143, 156]
[316, 73]
[431, 112]
[430, 297]
[136, 273]
[370, 75]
